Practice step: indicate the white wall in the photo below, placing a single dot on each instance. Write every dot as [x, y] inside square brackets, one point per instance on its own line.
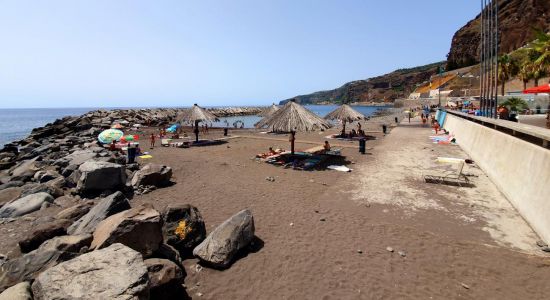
[520, 170]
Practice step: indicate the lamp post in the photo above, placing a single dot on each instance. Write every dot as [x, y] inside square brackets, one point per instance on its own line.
[489, 58]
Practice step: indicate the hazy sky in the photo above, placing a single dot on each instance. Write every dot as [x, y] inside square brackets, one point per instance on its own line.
[80, 53]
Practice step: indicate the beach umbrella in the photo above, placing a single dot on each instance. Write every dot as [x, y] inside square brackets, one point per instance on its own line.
[269, 111]
[129, 138]
[538, 89]
[195, 115]
[345, 114]
[293, 117]
[110, 135]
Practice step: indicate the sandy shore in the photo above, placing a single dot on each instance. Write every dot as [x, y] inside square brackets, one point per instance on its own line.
[324, 234]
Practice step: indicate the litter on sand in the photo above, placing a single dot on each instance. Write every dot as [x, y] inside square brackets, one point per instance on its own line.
[145, 156]
[339, 168]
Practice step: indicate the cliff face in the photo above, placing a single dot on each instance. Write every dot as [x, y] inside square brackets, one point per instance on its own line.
[389, 87]
[517, 18]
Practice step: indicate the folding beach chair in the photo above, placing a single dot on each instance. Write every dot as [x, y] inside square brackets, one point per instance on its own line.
[455, 178]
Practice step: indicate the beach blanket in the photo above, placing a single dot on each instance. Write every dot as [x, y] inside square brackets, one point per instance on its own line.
[145, 156]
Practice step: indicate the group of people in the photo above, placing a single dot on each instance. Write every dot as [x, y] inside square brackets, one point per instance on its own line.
[353, 133]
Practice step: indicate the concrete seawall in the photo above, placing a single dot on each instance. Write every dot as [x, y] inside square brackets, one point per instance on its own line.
[520, 169]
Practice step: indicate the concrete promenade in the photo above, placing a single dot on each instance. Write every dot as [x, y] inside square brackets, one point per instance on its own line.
[479, 213]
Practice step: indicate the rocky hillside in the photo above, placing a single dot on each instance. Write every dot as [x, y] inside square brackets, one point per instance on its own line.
[387, 87]
[516, 20]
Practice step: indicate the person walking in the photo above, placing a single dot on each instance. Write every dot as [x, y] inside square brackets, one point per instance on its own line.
[152, 140]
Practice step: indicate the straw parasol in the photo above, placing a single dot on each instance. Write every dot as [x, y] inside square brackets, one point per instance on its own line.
[269, 111]
[195, 115]
[345, 114]
[293, 117]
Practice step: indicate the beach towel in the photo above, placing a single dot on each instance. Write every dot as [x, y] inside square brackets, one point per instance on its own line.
[339, 168]
[145, 156]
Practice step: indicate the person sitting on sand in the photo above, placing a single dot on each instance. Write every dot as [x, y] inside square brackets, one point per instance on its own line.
[353, 133]
[152, 140]
[271, 151]
[326, 146]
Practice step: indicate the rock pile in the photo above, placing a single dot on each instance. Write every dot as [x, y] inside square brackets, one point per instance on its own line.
[101, 246]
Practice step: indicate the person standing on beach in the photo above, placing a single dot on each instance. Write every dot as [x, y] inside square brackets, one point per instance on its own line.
[152, 140]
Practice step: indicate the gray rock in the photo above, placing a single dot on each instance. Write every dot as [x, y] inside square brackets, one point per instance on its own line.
[139, 228]
[26, 169]
[116, 272]
[43, 233]
[20, 291]
[74, 212]
[183, 227]
[152, 174]
[97, 176]
[220, 247]
[76, 158]
[25, 205]
[108, 206]
[11, 183]
[68, 243]
[33, 188]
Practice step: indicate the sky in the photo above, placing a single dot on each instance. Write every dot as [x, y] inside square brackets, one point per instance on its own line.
[116, 53]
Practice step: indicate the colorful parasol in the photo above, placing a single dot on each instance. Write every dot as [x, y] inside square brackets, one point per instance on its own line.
[110, 135]
[129, 138]
[538, 89]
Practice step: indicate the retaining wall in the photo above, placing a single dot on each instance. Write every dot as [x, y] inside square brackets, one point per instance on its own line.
[520, 169]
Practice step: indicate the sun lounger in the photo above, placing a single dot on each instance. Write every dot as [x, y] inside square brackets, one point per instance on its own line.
[165, 142]
[456, 178]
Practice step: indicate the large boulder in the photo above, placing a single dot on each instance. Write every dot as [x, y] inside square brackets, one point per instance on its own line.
[165, 278]
[116, 272]
[26, 169]
[220, 247]
[108, 206]
[20, 291]
[183, 227]
[25, 205]
[98, 176]
[139, 228]
[152, 174]
[43, 233]
[76, 158]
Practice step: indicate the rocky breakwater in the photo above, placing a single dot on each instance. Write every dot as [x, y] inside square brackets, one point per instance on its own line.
[86, 239]
[236, 111]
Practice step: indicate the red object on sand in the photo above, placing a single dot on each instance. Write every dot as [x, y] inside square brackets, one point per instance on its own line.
[538, 89]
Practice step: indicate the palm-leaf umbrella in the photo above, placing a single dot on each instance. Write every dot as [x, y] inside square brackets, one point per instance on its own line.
[345, 114]
[269, 111]
[195, 115]
[293, 117]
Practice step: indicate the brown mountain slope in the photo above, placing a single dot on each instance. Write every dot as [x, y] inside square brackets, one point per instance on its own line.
[390, 86]
[516, 20]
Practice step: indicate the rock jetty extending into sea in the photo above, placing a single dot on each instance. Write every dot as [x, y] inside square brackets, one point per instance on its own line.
[132, 251]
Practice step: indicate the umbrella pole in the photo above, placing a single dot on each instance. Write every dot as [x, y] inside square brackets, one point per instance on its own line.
[197, 131]
[292, 138]
[344, 128]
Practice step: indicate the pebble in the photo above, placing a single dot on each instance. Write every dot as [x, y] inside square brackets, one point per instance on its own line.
[402, 253]
[360, 251]
[541, 243]
[322, 219]
[291, 224]
[389, 249]
[270, 178]
[199, 294]
[311, 180]
[465, 286]
[317, 211]
[546, 249]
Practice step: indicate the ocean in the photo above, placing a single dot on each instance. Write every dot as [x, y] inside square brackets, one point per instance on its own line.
[16, 124]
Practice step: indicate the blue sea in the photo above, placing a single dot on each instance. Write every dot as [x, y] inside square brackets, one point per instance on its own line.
[16, 124]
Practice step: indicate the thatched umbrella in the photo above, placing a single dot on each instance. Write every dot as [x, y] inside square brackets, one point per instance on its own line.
[269, 111]
[345, 114]
[293, 117]
[195, 115]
